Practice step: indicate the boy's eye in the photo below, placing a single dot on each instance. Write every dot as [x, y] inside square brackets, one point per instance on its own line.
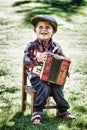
[47, 27]
[41, 27]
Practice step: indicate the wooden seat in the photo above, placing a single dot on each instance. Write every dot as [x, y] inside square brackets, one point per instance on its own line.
[29, 91]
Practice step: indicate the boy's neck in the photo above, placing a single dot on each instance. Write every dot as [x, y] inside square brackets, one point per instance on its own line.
[45, 43]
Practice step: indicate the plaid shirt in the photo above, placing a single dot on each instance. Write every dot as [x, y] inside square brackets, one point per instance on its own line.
[31, 50]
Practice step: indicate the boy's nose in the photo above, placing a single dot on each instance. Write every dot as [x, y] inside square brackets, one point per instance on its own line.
[44, 28]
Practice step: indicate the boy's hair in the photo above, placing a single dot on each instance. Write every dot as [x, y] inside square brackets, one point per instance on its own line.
[44, 17]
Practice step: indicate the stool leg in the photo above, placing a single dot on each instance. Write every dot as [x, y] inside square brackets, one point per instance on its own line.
[48, 101]
[24, 83]
[23, 100]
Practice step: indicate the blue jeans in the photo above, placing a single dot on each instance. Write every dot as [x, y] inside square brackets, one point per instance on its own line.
[44, 90]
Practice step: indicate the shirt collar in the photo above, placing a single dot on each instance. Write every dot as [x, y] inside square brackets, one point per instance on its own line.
[40, 42]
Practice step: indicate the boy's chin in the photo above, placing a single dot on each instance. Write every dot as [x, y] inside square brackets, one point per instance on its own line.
[43, 39]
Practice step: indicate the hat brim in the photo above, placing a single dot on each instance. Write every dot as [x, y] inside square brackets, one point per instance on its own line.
[36, 19]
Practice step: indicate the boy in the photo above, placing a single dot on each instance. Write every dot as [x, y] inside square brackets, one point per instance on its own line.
[45, 27]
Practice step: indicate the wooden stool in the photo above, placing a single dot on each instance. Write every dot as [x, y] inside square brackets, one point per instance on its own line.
[28, 90]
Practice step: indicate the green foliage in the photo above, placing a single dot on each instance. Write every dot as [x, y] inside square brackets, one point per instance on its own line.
[55, 7]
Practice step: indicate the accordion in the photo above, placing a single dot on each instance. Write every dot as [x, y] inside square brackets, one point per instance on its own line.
[54, 69]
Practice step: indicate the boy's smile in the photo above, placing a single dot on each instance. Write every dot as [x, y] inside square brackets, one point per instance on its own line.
[44, 31]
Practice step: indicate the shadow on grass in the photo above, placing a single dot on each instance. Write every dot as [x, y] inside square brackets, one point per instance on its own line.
[56, 7]
[22, 122]
[6, 97]
[4, 72]
[3, 89]
[18, 122]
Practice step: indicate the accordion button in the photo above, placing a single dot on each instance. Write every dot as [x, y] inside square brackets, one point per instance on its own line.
[48, 83]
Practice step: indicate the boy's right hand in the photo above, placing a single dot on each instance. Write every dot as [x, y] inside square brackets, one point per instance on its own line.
[41, 57]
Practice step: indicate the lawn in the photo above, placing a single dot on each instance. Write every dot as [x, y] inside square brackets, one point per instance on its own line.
[14, 36]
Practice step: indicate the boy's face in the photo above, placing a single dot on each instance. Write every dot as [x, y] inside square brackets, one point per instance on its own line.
[44, 31]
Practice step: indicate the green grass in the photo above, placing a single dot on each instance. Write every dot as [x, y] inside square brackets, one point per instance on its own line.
[14, 36]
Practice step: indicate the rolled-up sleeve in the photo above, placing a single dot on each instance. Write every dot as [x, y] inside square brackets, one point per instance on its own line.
[30, 56]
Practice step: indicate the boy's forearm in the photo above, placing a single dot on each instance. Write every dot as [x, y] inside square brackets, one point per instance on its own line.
[27, 61]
